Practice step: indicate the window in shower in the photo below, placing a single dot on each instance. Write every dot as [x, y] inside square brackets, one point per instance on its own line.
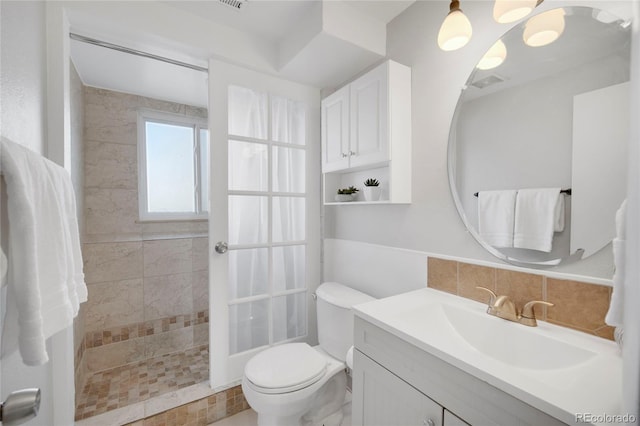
[267, 193]
[173, 157]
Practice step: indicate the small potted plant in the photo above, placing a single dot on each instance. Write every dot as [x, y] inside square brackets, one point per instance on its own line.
[371, 189]
[346, 194]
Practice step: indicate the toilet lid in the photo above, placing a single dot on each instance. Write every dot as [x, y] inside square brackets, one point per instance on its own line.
[287, 367]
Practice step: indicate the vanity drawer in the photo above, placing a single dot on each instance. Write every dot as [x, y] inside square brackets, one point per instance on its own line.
[470, 398]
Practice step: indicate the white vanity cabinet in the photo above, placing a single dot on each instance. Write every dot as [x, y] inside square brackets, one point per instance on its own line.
[388, 400]
[451, 419]
[397, 383]
[366, 131]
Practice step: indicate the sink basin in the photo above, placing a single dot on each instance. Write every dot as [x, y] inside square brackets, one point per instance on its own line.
[514, 343]
[509, 342]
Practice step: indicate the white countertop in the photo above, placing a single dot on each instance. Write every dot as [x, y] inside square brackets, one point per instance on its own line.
[560, 386]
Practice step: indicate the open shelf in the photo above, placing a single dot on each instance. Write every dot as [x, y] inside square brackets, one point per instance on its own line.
[393, 191]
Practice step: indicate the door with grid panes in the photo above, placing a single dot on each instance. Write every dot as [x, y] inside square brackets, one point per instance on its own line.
[264, 222]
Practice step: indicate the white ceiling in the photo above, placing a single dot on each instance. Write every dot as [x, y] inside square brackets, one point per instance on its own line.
[262, 18]
[114, 70]
[587, 38]
[272, 19]
[199, 30]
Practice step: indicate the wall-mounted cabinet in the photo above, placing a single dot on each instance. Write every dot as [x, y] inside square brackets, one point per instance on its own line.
[366, 133]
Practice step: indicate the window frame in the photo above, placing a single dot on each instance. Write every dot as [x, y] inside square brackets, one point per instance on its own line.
[197, 124]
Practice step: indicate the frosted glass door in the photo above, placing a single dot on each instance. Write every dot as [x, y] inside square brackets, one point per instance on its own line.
[260, 293]
[266, 300]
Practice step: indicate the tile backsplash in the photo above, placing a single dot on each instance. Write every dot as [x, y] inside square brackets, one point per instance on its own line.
[578, 305]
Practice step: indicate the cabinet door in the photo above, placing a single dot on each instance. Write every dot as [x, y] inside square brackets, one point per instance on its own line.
[335, 131]
[380, 398]
[369, 118]
[451, 419]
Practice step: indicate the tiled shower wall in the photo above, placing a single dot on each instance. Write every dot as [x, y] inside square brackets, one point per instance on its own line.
[578, 305]
[148, 282]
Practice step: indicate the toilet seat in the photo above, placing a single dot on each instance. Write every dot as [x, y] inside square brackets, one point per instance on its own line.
[285, 368]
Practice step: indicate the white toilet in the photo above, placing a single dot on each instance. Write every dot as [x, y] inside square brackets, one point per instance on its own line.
[296, 384]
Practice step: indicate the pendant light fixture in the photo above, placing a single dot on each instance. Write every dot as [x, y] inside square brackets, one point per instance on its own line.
[494, 57]
[505, 11]
[544, 29]
[455, 31]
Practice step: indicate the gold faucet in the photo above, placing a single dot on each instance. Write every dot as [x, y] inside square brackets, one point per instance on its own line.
[503, 307]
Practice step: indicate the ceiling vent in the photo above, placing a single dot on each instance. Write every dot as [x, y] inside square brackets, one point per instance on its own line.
[488, 81]
[235, 4]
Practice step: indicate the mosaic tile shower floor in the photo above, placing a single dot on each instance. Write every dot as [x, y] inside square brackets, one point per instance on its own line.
[132, 383]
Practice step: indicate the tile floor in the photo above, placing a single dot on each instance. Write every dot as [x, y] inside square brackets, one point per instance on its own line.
[243, 418]
[250, 417]
[126, 385]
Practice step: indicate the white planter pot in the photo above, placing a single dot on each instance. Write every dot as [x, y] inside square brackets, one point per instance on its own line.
[371, 193]
[341, 198]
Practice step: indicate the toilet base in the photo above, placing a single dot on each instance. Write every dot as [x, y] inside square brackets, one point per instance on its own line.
[334, 419]
[323, 407]
[267, 420]
[328, 402]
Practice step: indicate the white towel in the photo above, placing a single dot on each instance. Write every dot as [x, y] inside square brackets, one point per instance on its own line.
[74, 276]
[615, 314]
[536, 217]
[496, 215]
[45, 280]
[3, 267]
[558, 214]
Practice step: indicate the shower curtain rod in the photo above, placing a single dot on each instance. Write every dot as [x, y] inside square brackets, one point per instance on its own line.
[112, 46]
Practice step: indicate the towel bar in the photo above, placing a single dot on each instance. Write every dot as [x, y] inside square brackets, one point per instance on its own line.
[562, 191]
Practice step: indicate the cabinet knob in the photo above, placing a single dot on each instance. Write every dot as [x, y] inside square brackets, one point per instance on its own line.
[344, 155]
[352, 153]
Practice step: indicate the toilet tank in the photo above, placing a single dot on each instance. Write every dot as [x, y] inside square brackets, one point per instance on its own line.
[335, 317]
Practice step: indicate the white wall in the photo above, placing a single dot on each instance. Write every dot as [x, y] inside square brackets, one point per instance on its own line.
[34, 113]
[376, 270]
[537, 157]
[597, 118]
[631, 349]
[77, 145]
[23, 100]
[23, 78]
[431, 223]
[493, 152]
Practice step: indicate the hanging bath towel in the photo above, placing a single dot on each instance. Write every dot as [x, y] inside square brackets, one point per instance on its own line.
[45, 279]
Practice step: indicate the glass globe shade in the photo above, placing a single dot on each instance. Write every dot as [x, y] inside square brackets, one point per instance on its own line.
[544, 29]
[505, 11]
[455, 31]
[494, 56]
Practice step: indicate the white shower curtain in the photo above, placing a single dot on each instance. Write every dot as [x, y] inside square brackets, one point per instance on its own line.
[249, 268]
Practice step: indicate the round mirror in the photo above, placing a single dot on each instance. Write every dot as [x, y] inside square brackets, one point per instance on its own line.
[538, 143]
